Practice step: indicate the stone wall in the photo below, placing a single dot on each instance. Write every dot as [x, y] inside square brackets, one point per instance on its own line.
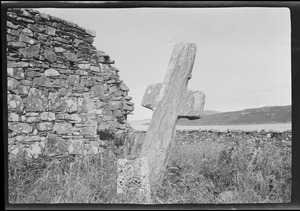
[61, 90]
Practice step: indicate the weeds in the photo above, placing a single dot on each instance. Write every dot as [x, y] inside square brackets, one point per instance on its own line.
[89, 179]
[202, 168]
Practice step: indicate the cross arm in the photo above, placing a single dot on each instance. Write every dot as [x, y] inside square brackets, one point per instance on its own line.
[192, 105]
[150, 98]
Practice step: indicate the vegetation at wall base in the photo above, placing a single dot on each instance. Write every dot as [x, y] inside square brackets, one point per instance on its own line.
[204, 167]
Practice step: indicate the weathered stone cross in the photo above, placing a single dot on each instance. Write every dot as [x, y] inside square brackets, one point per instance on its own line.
[170, 101]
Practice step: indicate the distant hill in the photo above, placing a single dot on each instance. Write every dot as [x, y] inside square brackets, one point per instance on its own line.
[210, 112]
[263, 115]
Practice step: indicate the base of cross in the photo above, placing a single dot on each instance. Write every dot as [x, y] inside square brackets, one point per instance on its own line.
[133, 181]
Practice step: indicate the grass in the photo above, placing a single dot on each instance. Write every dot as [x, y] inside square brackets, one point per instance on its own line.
[89, 179]
[202, 168]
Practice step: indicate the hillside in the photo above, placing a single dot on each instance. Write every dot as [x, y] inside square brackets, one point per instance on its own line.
[210, 112]
[264, 115]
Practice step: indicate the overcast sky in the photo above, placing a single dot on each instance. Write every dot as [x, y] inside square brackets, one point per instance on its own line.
[243, 55]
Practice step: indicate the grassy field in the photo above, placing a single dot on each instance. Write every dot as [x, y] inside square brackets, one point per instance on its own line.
[204, 167]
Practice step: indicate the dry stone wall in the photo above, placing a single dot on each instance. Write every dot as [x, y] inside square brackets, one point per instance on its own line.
[61, 90]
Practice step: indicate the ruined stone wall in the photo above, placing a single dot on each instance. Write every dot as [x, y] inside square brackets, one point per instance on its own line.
[61, 90]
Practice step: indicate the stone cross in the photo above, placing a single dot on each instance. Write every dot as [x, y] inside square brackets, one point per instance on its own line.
[170, 101]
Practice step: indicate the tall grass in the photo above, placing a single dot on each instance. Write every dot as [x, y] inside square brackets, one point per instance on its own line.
[199, 171]
[88, 179]
[232, 172]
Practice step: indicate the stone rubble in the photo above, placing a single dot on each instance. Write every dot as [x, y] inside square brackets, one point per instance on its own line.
[61, 90]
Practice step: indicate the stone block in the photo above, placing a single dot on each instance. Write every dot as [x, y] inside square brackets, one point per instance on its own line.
[112, 81]
[83, 105]
[27, 20]
[98, 91]
[15, 151]
[59, 83]
[31, 51]
[25, 13]
[50, 30]
[16, 45]
[51, 72]
[129, 103]
[13, 117]
[56, 103]
[70, 56]
[31, 114]
[27, 138]
[30, 119]
[36, 100]
[27, 32]
[112, 89]
[81, 72]
[47, 116]
[117, 113]
[38, 65]
[75, 147]
[45, 126]
[63, 92]
[23, 90]
[116, 125]
[18, 64]
[59, 49]
[43, 39]
[45, 16]
[133, 180]
[78, 43]
[84, 66]
[60, 41]
[71, 104]
[65, 71]
[55, 146]
[89, 39]
[101, 54]
[127, 98]
[106, 75]
[42, 81]
[12, 83]
[14, 32]
[73, 80]
[118, 94]
[91, 32]
[34, 151]
[114, 105]
[75, 117]
[62, 116]
[102, 127]
[88, 131]
[36, 27]
[87, 82]
[95, 68]
[11, 25]
[50, 55]
[99, 104]
[128, 108]
[123, 87]
[79, 89]
[20, 128]
[26, 39]
[63, 128]
[15, 103]
[17, 73]
[94, 147]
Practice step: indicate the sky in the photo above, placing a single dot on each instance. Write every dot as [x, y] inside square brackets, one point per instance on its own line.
[243, 57]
